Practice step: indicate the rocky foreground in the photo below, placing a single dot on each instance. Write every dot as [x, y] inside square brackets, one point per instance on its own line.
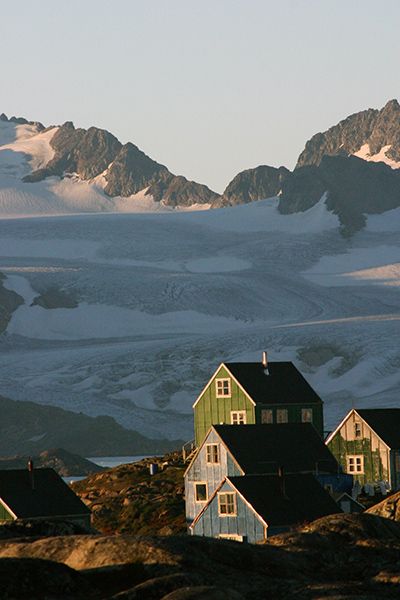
[338, 557]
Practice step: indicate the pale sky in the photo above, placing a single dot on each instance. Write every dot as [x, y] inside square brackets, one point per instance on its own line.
[207, 87]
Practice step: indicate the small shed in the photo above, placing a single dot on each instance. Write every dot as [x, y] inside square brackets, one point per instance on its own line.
[40, 494]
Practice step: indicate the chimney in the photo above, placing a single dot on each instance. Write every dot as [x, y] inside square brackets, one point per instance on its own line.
[281, 476]
[31, 473]
[265, 362]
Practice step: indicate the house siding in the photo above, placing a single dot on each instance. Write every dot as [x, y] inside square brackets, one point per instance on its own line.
[246, 523]
[211, 410]
[213, 474]
[376, 455]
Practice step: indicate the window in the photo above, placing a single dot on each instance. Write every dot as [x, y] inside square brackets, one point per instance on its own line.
[306, 415]
[212, 451]
[267, 416]
[223, 388]
[355, 464]
[200, 492]
[227, 504]
[329, 488]
[357, 429]
[238, 417]
[282, 415]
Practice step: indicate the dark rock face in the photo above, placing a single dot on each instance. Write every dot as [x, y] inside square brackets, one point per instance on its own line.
[128, 169]
[21, 121]
[354, 187]
[253, 184]
[378, 128]
[131, 171]
[87, 153]
[9, 302]
[176, 190]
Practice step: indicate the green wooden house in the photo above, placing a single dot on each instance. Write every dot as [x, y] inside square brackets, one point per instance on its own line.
[367, 445]
[252, 393]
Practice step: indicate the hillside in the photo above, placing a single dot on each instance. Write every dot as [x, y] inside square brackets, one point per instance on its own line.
[29, 429]
[63, 462]
[127, 499]
[342, 557]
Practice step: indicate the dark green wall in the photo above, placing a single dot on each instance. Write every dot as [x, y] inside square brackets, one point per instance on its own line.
[211, 410]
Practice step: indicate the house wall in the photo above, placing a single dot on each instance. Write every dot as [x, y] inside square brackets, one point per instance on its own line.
[294, 413]
[246, 523]
[211, 410]
[213, 474]
[375, 453]
[4, 514]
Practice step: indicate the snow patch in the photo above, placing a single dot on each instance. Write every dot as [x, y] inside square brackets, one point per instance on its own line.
[381, 156]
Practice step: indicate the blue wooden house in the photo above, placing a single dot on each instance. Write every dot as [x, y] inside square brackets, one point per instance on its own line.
[254, 507]
[231, 452]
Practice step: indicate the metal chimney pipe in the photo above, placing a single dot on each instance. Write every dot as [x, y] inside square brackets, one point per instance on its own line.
[264, 360]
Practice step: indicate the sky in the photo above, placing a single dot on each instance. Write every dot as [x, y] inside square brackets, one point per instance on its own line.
[208, 88]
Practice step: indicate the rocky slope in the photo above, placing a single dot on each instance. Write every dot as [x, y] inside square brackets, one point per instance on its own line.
[341, 557]
[354, 185]
[124, 169]
[127, 499]
[65, 463]
[377, 129]
[389, 508]
[28, 428]
[252, 185]
[9, 302]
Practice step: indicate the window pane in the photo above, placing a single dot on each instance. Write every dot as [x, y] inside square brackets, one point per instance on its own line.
[201, 492]
[267, 416]
[306, 415]
[281, 415]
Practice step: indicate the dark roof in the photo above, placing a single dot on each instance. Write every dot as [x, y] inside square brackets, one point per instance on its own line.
[284, 384]
[51, 496]
[288, 500]
[385, 422]
[263, 448]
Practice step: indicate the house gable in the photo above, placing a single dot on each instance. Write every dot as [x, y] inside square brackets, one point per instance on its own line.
[200, 470]
[360, 451]
[213, 407]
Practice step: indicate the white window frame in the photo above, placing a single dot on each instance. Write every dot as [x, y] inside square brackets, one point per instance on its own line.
[195, 491]
[267, 420]
[238, 417]
[220, 384]
[231, 536]
[304, 412]
[227, 514]
[280, 413]
[212, 456]
[352, 461]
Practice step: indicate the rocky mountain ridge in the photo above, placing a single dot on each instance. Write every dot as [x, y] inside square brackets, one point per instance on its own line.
[346, 163]
[126, 170]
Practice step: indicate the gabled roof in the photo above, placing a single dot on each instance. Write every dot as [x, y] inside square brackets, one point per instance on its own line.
[285, 501]
[263, 448]
[284, 384]
[385, 422]
[50, 497]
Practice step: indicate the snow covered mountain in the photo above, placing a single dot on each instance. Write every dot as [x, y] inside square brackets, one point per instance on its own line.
[61, 170]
